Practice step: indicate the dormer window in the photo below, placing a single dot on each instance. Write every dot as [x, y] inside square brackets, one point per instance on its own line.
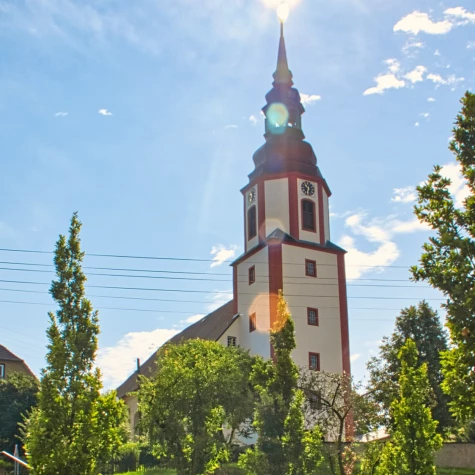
[251, 222]
[309, 217]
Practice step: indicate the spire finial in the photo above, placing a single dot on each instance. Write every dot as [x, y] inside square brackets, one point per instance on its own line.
[282, 74]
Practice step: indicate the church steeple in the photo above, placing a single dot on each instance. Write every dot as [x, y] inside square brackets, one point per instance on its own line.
[282, 74]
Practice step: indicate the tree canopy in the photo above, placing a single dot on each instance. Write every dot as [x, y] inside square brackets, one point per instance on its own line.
[448, 259]
[423, 326]
[200, 387]
[18, 394]
[73, 428]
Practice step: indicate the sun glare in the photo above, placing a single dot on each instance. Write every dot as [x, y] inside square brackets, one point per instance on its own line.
[283, 11]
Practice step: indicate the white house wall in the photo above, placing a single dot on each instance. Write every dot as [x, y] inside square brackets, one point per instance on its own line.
[277, 205]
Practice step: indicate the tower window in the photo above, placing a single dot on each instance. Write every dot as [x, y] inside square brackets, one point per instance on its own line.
[312, 316]
[252, 275]
[232, 341]
[310, 268]
[309, 217]
[315, 401]
[314, 361]
[251, 222]
[252, 322]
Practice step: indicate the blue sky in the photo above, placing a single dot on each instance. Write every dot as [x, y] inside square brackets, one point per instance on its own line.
[143, 116]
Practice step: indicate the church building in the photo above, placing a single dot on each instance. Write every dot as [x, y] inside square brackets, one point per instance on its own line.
[287, 247]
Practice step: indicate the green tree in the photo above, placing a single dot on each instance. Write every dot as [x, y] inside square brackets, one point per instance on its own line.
[73, 428]
[422, 325]
[18, 394]
[200, 387]
[284, 445]
[448, 260]
[414, 438]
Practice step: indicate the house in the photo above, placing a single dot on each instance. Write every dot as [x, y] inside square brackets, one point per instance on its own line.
[10, 363]
[287, 246]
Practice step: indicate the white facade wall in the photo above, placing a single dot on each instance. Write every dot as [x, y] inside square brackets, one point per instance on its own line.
[308, 235]
[233, 330]
[254, 299]
[321, 293]
[277, 205]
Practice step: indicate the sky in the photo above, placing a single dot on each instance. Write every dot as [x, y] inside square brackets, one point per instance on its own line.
[143, 117]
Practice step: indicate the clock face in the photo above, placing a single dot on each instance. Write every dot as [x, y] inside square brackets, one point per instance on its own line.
[251, 197]
[307, 188]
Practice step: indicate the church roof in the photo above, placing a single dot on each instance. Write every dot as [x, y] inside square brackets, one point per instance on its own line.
[211, 327]
[7, 355]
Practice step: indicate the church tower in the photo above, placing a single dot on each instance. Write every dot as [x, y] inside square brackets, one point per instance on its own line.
[287, 241]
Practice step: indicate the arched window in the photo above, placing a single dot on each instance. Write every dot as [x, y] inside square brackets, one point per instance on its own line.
[308, 215]
[251, 222]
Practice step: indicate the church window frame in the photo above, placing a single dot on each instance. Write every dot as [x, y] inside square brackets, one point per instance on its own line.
[314, 361]
[252, 274]
[309, 265]
[252, 323]
[309, 217]
[251, 222]
[312, 317]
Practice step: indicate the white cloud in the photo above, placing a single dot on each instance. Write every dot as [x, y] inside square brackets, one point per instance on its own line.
[253, 119]
[417, 22]
[384, 82]
[222, 254]
[430, 99]
[416, 75]
[231, 126]
[104, 112]
[436, 52]
[61, 114]
[380, 231]
[471, 45]
[416, 124]
[426, 115]
[458, 188]
[192, 319]
[119, 361]
[219, 299]
[309, 99]
[355, 357]
[451, 80]
[411, 46]
[460, 12]
[404, 195]
[393, 65]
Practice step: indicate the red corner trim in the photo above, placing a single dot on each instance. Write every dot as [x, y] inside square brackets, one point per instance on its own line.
[293, 207]
[235, 289]
[261, 211]
[276, 283]
[345, 335]
[321, 215]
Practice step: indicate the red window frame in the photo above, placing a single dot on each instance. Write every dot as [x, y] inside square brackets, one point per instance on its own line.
[251, 222]
[312, 229]
[252, 274]
[252, 322]
[307, 262]
[317, 323]
[310, 354]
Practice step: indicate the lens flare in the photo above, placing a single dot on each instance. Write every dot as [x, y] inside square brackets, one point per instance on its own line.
[283, 11]
[277, 118]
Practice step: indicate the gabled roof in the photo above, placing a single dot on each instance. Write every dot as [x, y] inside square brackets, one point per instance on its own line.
[7, 355]
[210, 327]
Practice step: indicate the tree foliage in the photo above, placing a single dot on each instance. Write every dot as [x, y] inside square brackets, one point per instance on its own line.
[199, 388]
[18, 394]
[414, 439]
[73, 428]
[422, 325]
[285, 446]
[448, 260]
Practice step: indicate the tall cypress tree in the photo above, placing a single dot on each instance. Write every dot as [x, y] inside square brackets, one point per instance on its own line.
[73, 426]
[414, 438]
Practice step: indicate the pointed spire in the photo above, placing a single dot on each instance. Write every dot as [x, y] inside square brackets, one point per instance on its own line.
[282, 75]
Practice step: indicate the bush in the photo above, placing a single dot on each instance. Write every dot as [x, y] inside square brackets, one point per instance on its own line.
[230, 469]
